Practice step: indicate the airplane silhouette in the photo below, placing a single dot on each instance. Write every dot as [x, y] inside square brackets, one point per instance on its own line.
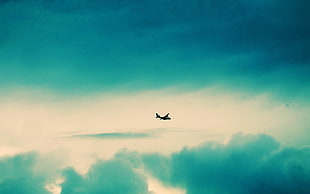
[166, 117]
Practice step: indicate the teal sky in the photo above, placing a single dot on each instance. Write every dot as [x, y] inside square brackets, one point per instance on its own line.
[81, 81]
[86, 47]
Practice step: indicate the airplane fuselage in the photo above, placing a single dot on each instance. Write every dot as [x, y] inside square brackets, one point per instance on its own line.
[166, 117]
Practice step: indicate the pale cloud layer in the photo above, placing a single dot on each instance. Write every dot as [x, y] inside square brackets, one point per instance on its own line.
[76, 132]
[45, 122]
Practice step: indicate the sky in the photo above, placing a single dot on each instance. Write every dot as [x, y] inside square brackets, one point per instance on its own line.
[81, 81]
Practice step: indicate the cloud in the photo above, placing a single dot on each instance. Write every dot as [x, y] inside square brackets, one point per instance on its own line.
[113, 176]
[246, 164]
[105, 45]
[18, 175]
[114, 135]
[27, 174]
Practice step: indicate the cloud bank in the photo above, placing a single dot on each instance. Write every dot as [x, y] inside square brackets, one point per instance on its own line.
[245, 164]
[77, 45]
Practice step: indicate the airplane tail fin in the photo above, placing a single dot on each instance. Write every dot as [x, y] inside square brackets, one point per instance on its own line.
[157, 115]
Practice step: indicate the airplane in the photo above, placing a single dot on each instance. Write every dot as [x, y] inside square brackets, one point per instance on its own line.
[166, 117]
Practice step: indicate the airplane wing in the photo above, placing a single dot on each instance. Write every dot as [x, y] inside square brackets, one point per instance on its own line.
[167, 115]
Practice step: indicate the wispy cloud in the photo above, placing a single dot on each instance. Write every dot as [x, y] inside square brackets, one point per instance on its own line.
[114, 135]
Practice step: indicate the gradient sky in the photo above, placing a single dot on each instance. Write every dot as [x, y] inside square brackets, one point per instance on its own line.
[80, 82]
